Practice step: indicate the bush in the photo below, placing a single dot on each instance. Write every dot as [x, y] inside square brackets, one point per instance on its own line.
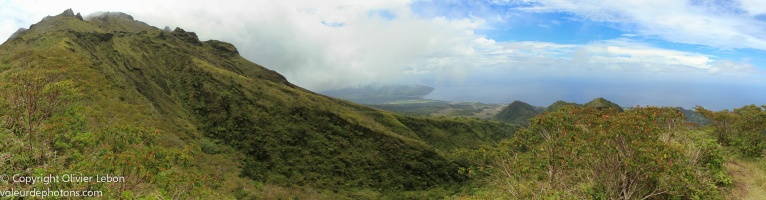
[743, 129]
[606, 154]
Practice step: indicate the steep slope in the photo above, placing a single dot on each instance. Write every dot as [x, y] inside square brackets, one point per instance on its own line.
[224, 115]
[602, 103]
[517, 113]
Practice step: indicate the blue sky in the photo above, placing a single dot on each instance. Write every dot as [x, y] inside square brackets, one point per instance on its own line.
[650, 52]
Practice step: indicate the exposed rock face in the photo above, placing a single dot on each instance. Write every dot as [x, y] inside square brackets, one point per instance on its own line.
[223, 47]
[189, 37]
[67, 13]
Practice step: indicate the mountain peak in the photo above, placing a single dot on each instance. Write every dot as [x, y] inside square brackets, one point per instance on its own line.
[106, 16]
[602, 103]
[67, 13]
[70, 13]
[558, 105]
[518, 112]
[202, 94]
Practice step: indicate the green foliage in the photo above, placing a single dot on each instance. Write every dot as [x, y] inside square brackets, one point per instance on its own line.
[4, 67]
[694, 118]
[442, 108]
[558, 105]
[517, 113]
[602, 103]
[455, 133]
[182, 118]
[31, 97]
[605, 154]
[743, 129]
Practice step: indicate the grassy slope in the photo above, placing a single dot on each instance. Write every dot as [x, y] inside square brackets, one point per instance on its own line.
[749, 178]
[241, 118]
[602, 103]
[517, 113]
[558, 105]
[435, 108]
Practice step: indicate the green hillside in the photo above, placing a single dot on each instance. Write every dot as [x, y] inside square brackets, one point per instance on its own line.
[558, 105]
[517, 113]
[694, 117]
[602, 103]
[181, 118]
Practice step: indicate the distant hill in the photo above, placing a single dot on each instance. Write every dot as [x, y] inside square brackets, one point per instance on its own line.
[695, 117]
[560, 104]
[517, 112]
[602, 103]
[380, 94]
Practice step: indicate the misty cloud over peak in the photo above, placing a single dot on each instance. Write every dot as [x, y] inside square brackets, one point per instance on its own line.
[104, 16]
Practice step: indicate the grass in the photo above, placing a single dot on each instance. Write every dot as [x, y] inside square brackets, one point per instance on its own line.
[749, 178]
[218, 124]
[435, 108]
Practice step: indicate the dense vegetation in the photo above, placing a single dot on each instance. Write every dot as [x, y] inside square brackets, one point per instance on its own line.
[641, 153]
[517, 113]
[441, 108]
[558, 105]
[601, 103]
[181, 118]
[694, 117]
[743, 129]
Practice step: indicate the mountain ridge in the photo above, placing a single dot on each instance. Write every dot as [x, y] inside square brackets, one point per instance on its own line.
[221, 111]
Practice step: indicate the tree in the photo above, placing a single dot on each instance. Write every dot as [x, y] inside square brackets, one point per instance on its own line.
[604, 154]
[743, 129]
[32, 96]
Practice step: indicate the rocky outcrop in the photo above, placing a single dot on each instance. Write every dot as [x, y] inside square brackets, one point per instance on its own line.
[67, 13]
[223, 48]
[189, 37]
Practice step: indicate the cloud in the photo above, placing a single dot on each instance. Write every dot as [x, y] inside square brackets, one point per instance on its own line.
[753, 7]
[317, 45]
[719, 24]
[335, 44]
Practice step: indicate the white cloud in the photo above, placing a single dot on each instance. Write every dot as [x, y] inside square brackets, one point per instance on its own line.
[315, 44]
[754, 7]
[713, 23]
[362, 46]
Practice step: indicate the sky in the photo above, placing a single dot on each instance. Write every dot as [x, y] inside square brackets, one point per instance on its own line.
[643, 52]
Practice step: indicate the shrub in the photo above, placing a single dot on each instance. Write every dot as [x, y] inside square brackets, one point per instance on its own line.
[606, 154]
